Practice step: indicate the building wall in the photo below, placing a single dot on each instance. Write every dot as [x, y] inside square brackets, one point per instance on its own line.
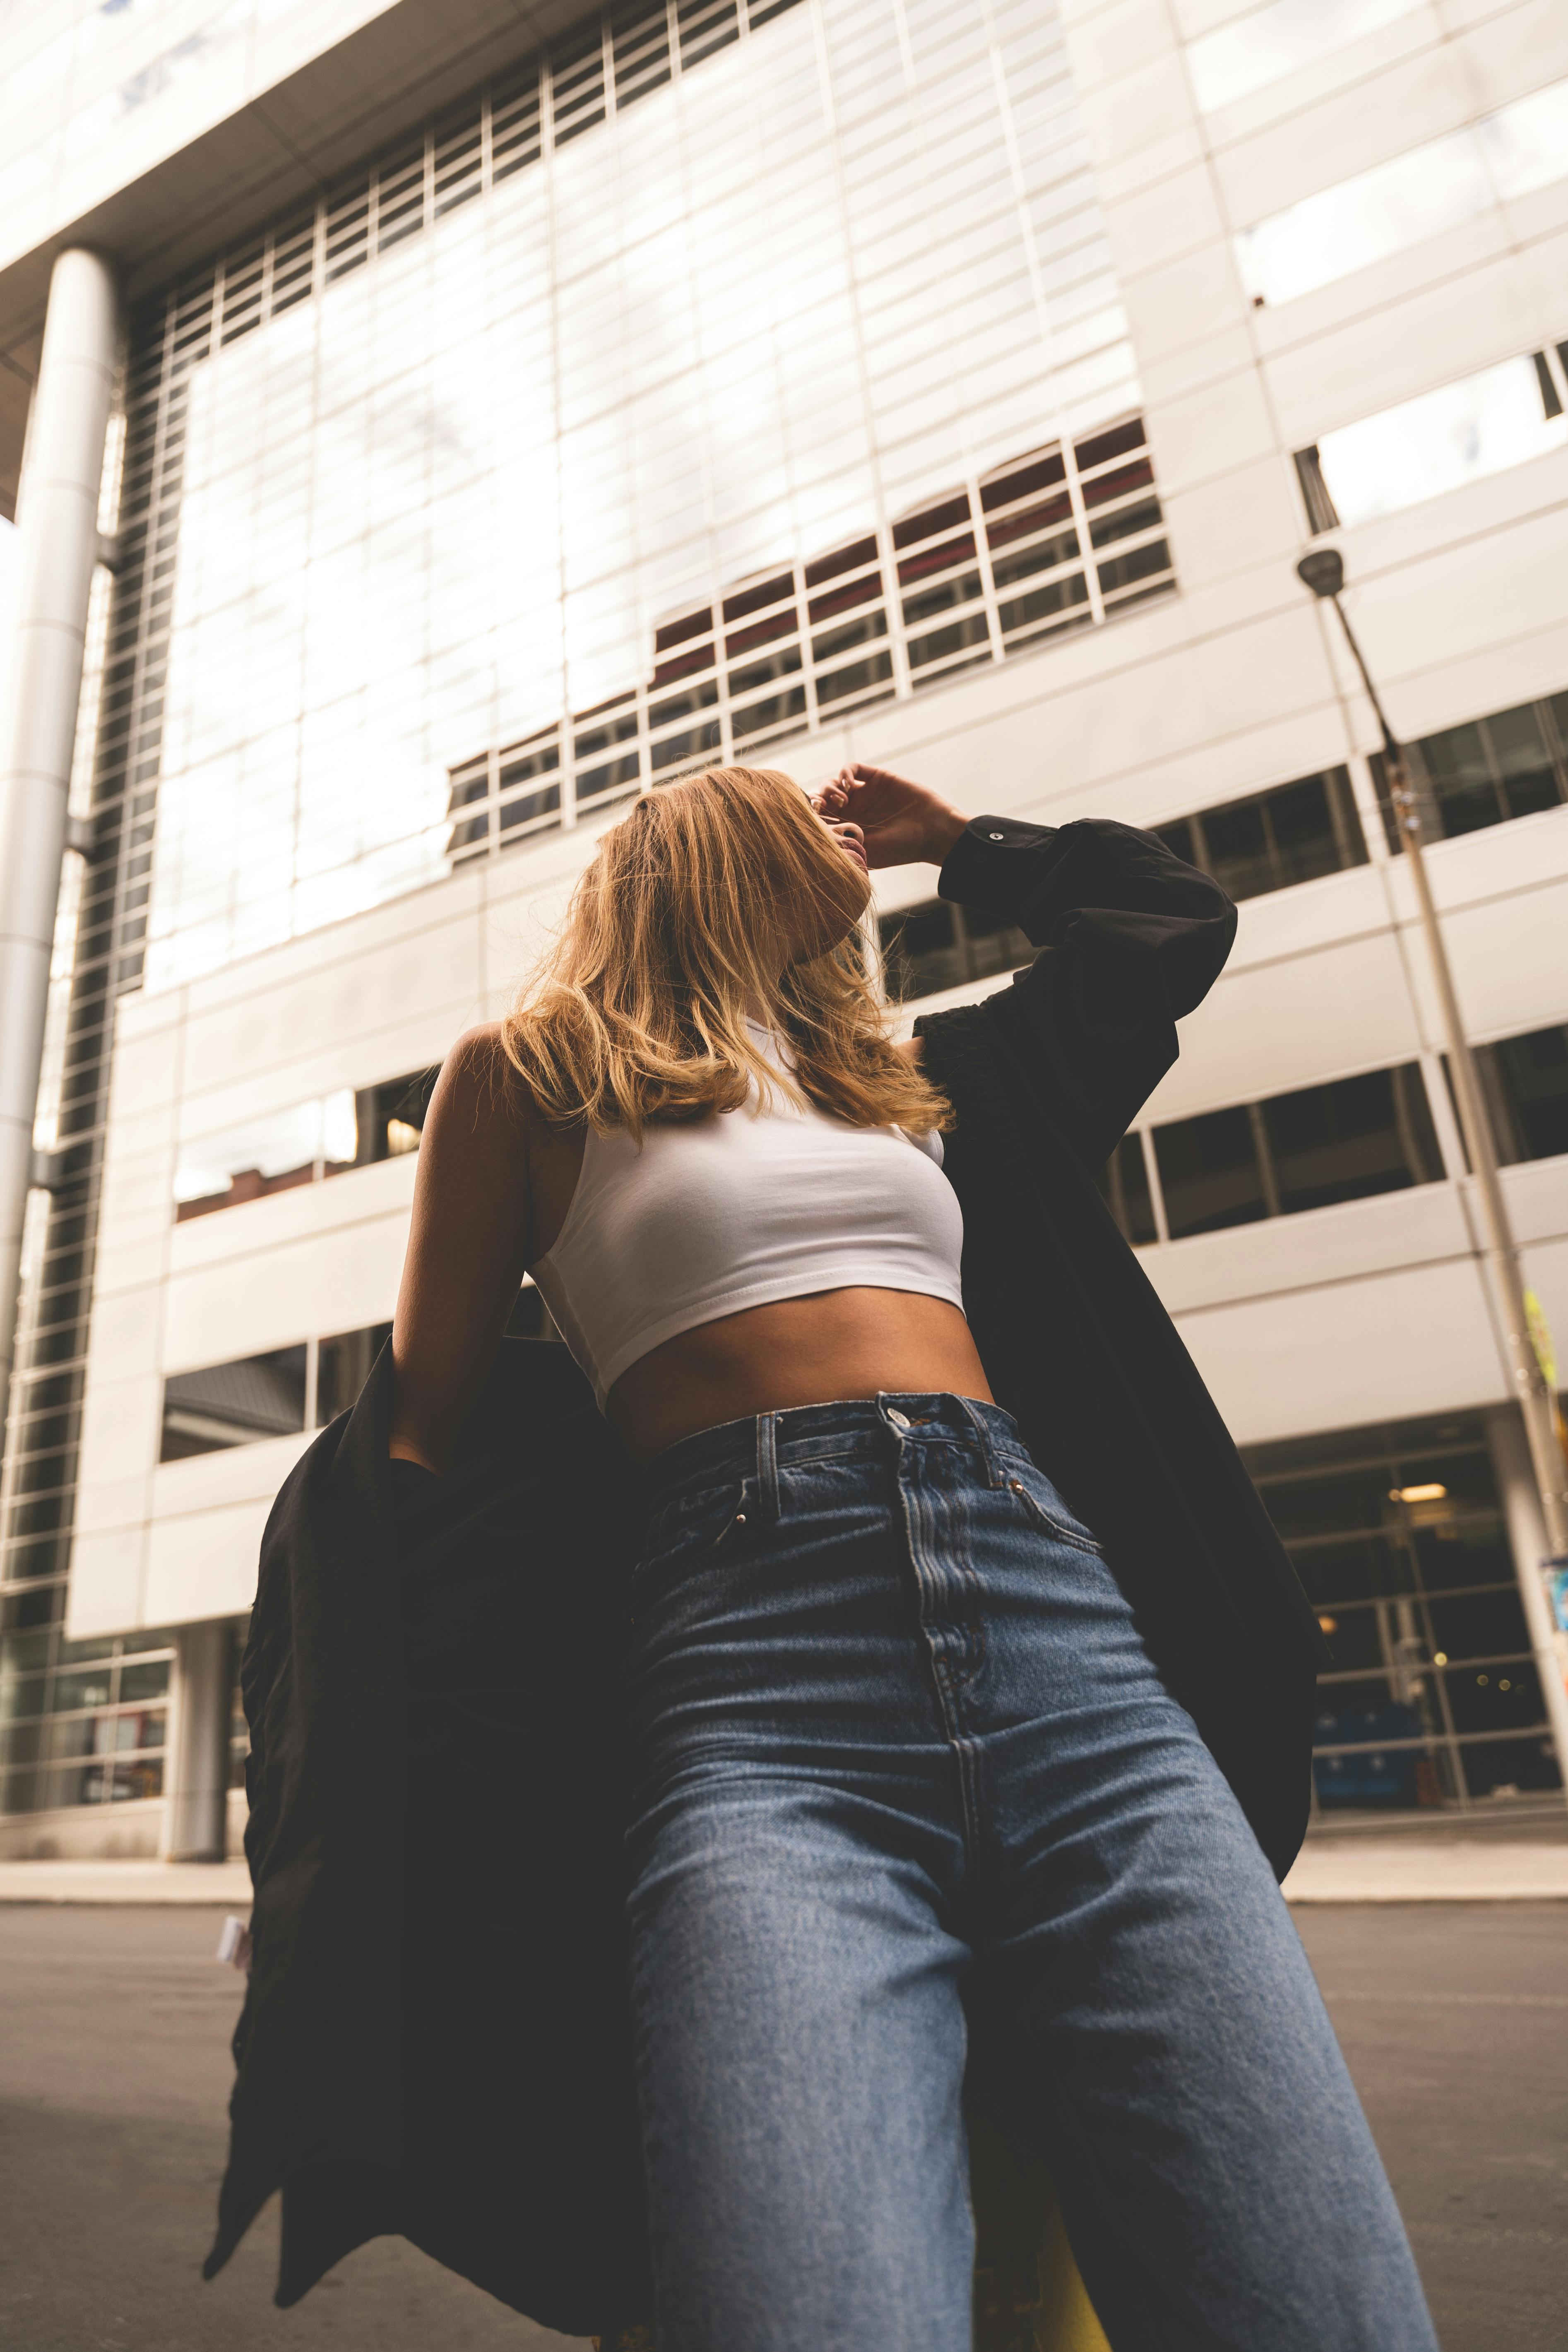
[1369, 1311]
[93, 94]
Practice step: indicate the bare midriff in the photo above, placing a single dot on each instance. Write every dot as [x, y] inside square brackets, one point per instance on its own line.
[826, 1348]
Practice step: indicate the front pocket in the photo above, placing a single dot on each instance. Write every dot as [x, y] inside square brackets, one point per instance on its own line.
[687, 1534]
[1056, 1524]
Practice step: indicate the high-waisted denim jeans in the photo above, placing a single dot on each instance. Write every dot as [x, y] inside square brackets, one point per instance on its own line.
[911, 1796]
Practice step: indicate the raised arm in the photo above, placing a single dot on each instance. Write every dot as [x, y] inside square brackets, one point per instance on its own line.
[1129, 939]
[467, 1245]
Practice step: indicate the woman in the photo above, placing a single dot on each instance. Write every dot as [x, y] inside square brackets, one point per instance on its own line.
[932, 1788]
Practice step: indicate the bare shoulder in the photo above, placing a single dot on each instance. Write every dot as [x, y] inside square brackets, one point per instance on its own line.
[912, 1049]
[479, 1078]
[478, 1128]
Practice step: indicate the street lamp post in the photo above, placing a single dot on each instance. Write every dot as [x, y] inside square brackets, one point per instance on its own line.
[1322, 570]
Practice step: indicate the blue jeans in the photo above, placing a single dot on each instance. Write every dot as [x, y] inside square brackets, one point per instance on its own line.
[911, 1798]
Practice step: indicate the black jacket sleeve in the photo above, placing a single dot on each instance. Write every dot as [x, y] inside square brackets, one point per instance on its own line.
[1129, 939]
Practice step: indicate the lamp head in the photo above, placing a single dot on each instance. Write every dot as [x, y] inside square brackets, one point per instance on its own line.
[1323, 569]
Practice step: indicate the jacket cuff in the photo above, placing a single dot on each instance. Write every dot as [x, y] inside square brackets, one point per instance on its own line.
[983, 867]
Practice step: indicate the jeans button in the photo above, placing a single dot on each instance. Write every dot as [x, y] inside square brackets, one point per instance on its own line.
[899, 1420]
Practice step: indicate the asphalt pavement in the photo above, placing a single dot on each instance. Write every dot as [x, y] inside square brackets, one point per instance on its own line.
[114, 2070]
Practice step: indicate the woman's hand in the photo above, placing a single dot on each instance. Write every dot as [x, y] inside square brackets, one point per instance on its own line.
[901, 823]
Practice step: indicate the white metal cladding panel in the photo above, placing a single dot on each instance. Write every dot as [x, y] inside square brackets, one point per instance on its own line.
[1281, 1026]
[1184, 303]
[1407, 1343]
[107, 1573]
[1414, 335]
[204, 1564]
[1413, 28]
[1500, 585]
[1234, 522]
[1510, 958]
[91, 104]
[294, 1220]
[214, 1482]
[1408, 103]
[340, 1280]
[1430, 316]
[121, 1421]
[1344, 1244]
[435, 969]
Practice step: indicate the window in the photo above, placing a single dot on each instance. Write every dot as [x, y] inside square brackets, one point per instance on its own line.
[1396, 1533]
[1525, 1083]
[1124, 1188]
[1460, 433]
[1395, 204]
[1057, 539]
[81, 1723]
[274, 1395]
[1347, 1141]
[347, 1128]
[1209, 1172]
[935, 946]
[234, 1403]
[1511, 763]
[1350, 1140]
[269, 1155]
[1291, 834]
[342, 1367]
[388, 1120]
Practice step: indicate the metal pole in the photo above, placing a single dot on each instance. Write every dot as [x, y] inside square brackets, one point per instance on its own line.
[1537, 1403]
[58, 518]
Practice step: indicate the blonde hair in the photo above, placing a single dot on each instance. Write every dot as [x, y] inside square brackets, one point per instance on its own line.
[673, 939]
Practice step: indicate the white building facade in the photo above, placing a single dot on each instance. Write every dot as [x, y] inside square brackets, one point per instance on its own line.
[951, 386]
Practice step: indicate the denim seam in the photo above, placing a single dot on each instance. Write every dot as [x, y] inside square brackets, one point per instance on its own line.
[768, 1504]
[1067, 1535]
[948, 1685]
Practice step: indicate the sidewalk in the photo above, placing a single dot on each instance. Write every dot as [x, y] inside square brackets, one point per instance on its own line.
[228, 1883]
[1363, 1869]
[1447, 1869]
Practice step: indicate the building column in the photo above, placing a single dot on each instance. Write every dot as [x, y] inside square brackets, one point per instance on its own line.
[1523, 1516]
[196, 1795]
[57, 520]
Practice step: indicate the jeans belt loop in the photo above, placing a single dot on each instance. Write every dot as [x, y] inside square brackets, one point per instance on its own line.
[993, 1467]
[768, 1465]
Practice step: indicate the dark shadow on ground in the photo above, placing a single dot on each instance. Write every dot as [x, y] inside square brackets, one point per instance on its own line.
[114, 2071]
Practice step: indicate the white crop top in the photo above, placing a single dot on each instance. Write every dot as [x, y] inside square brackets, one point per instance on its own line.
[733, 1211]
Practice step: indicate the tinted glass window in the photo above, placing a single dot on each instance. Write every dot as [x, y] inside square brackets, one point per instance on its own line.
[1532, 1074]
[934, 946]
[1265, 842]
[234, 1403]
[1209, 1172]
[1350, 1139]
[1123, 1184]
[343, 1368]
[1509, 763]
[1431, 1701]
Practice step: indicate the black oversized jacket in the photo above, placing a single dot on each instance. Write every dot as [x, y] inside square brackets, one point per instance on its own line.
[435, 2039]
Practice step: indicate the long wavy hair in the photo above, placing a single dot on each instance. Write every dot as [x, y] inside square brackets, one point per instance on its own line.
[678, 933]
